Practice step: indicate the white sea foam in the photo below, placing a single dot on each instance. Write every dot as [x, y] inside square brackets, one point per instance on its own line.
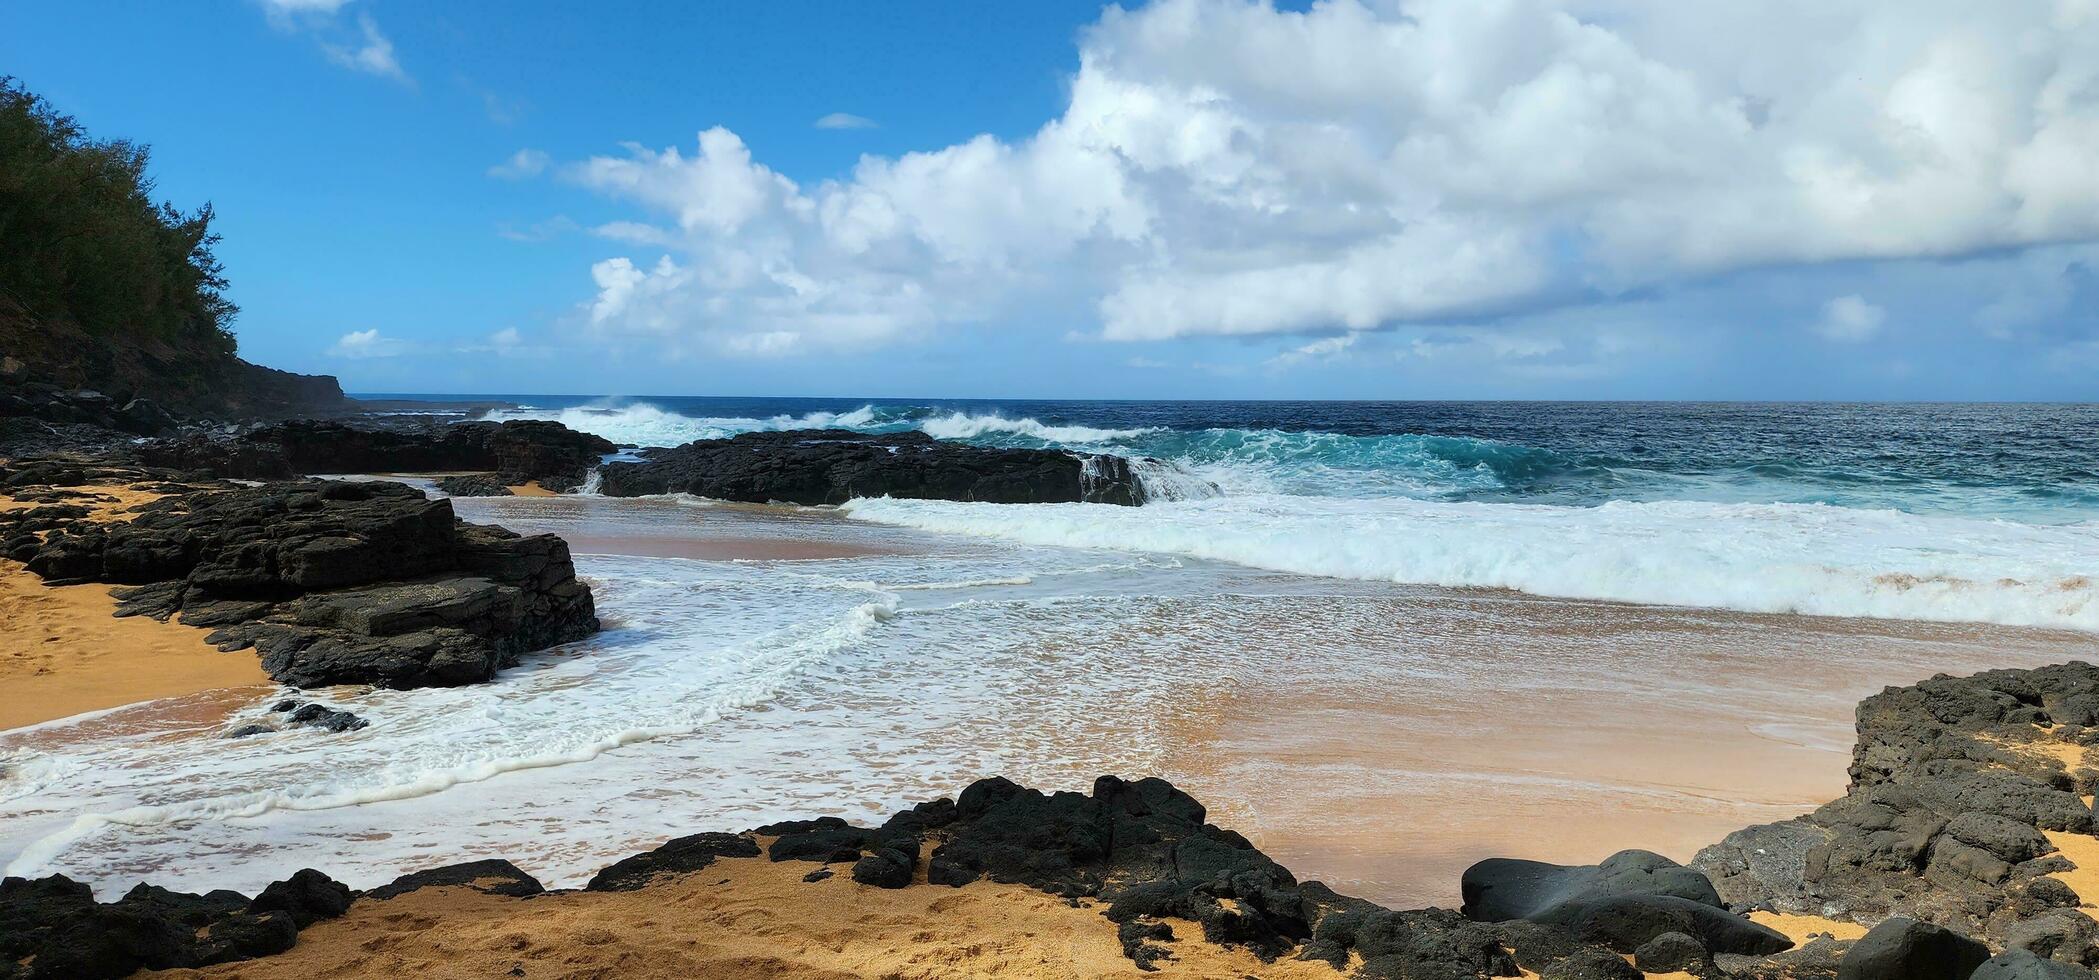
[958, 425]
[642, 424]
[675, 664]
[1794, 558]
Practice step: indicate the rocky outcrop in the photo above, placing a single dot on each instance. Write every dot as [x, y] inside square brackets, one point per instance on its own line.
[40, 357]
[832, 466]
[331, 582]
[501, 454]
[1957, 784]
[53, 927]
[474, 485]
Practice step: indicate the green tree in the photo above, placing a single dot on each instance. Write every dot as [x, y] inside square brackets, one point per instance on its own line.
[81, 236]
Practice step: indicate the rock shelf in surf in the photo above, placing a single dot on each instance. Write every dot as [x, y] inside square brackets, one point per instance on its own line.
[330, 582]
[515, 452]
[1957, 785]
[832, 466]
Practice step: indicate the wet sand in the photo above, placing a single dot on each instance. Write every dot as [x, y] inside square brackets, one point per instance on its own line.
[1391, 794]
[716, 548]
[741, 918]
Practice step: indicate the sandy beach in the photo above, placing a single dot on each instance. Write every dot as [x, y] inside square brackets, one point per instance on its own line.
[65, 654]
[741, 918]
[1418, 729]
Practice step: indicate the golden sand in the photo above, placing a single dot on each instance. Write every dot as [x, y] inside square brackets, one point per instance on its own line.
[532, 489]
[64, 652]
[1801, 928]
[107, 502]
[2083, 851]
[741, 918]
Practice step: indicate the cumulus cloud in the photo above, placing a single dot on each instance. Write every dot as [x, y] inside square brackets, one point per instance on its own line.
[1224, 167]
[524, 163]
[362, 344]
[1850, 319]
[844, 120]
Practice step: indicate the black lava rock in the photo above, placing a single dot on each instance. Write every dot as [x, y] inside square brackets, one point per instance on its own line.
[331, 583]
[333, 719]
[2019, 964]
[832, 466]
[1674, 951]
[1945, 815]
[888, 867]
[492, 877]
[1500, 889]
[474, 485]
[1905, 949]
[1591, 964]
[680, 856]
[1632, 897]
[53, 928]
[308, 896]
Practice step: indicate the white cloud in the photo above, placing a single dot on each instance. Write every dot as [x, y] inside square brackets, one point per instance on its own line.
[844, 120]
[1228, 168]
[294, 8]
[365, 49]
[1326, 349]
[524, 163]
[373, 54]
[538, 231]
[1850, 319]
[361, 344]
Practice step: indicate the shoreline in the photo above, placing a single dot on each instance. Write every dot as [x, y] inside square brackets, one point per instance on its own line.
[1133, 877]
[1271, 725]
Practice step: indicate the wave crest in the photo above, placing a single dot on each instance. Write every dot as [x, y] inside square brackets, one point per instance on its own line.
[1772, 558]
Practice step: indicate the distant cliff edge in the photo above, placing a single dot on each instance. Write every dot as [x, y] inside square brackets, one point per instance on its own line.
[105, 290]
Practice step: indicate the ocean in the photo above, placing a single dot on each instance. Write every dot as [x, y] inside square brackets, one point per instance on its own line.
[1980, 513]
[1381, 639]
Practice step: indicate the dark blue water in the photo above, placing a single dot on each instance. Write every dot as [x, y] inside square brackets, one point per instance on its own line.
[2028, 462]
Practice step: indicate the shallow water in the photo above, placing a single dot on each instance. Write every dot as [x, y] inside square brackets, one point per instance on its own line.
[1374, 734]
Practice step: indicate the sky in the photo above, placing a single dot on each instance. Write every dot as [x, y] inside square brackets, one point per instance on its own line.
[1181, 199]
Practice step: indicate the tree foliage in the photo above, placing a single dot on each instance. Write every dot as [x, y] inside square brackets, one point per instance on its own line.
[81, 236]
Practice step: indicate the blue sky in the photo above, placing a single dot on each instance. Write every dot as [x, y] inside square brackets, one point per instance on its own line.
[1588, 199]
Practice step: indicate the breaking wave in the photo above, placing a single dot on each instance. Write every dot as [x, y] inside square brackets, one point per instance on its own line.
[1769, 558]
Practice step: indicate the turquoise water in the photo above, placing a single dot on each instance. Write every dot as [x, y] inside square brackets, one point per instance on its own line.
[2032, 463]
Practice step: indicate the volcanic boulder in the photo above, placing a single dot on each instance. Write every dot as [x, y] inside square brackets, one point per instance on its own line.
[832, 466]
[331, 582]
